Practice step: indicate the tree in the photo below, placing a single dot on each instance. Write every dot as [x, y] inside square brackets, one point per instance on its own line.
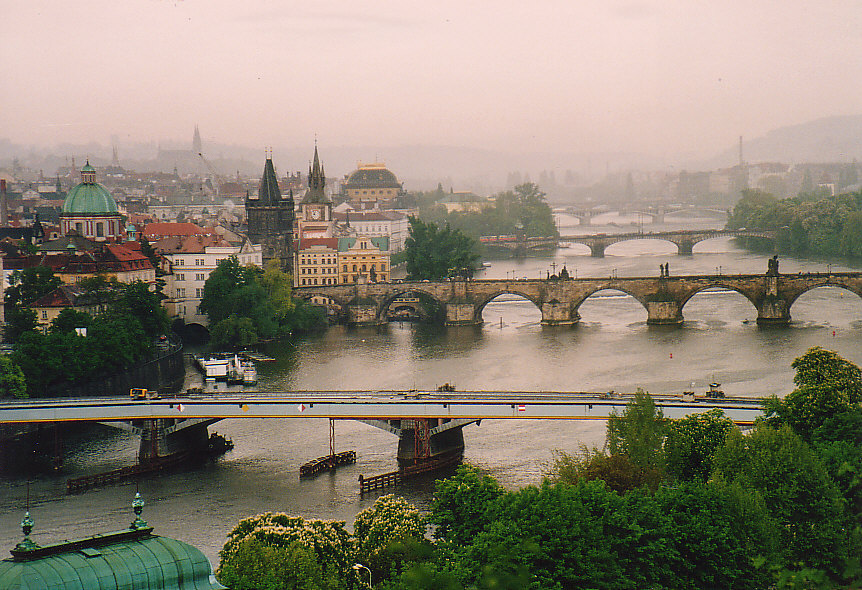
[220, 298]
[828, 385]
[69, 319]
[19, 320]
[797, 492]
[136, 300]
[692, 441]
[464, 504]
[232, 333]
[329, 542]
[25, 286]
[258, 566]
[639, 432]
[433, 253]
[12, 382]
[389, 535]
[617, 471]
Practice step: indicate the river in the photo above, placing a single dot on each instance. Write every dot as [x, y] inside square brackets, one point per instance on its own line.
[611, 348]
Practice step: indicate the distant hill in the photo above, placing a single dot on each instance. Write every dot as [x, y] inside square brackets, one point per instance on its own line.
[831, 139]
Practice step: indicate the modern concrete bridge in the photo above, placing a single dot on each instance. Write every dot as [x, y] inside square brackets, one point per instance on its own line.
[427, 424]
[460, 302]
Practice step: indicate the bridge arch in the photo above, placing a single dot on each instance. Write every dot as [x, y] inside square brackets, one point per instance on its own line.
[480, 306]
[576, 305]
[307, 293]
[390, 297]
[824, 282]
[613, 243]
[718, 285]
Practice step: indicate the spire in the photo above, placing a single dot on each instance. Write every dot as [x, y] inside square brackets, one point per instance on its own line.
[269, 193]
[138, 507]
[197, 146]
[316, 181]
[115, 160]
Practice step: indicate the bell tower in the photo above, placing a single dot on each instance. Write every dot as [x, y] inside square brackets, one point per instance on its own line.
[270, 219]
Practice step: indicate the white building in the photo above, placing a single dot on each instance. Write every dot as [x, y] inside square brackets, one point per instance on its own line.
[191, 262]
[373, 224]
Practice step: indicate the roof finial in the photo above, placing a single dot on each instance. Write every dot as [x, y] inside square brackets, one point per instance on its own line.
[138, 507]
[26, 526]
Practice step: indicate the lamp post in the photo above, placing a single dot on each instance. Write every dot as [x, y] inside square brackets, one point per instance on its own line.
[359, 566]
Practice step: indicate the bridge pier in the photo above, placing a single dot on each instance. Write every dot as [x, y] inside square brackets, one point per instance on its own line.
[685, 247]
[157, 442]
[664, 313]
[363, 314]
[422, 440]
[597, 250]
[556, 313]
[461, 313]
[773, 312]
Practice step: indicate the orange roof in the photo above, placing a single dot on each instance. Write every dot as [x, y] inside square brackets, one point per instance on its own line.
[309, 242]
[163, 230]
[188, 244]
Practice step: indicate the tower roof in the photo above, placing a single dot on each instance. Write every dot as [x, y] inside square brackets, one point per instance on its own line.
[316, 182]
[269, 193]
[372, 176]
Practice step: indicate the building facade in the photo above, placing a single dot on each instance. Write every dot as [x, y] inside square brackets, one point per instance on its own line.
[363, 256]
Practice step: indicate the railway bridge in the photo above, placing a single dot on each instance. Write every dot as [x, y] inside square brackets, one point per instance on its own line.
[461, 301]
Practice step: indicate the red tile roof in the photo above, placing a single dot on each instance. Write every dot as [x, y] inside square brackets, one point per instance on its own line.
[164, 230]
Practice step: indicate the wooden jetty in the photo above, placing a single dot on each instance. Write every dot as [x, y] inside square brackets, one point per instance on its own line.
[327, 463]
[394, 478]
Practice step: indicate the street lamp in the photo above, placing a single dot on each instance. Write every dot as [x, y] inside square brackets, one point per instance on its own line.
[359, 566]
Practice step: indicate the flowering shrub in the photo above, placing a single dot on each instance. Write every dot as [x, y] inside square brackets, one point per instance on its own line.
[390, 518]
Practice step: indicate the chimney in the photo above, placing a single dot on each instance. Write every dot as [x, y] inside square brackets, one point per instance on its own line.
[4, 204]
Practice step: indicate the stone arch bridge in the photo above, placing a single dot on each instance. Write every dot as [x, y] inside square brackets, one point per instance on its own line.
[461, 301]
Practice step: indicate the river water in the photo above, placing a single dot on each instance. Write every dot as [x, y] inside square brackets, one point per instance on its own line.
[611, 348]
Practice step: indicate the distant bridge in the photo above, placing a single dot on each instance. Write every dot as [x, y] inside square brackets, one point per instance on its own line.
[461, 302]
[684, 239]
[655, 214]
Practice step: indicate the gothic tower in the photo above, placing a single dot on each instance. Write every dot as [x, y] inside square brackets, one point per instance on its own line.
[270, 219]
[197, 146]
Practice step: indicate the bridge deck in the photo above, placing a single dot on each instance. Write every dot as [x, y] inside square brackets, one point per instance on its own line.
[361, 405]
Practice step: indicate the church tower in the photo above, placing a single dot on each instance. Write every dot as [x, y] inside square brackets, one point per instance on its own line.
[270, 219]
[316, 208]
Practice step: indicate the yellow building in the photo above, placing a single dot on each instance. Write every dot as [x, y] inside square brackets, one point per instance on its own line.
[316, 262]
[363, 256]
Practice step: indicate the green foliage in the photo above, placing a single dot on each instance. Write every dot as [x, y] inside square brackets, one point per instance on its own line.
[692, 441]
[811, 224]
[328, 541]
[433, 253]
[138, 301]
[19, 321]
[25, 286]
[257, 566]
[797, 492]
[828, 385]
[617, 471]
[389, 519]
[12, 381]
[639, 432]
[522, 210]
[464, 504]
[245, 305]
[69, 319]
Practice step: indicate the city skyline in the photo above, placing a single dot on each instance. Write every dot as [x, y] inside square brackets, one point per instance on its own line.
[667, 79]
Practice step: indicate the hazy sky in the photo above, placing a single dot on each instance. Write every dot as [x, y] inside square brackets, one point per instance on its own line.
[568, 75]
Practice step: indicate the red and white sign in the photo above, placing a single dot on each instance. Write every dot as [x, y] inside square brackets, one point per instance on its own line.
[301, 407]
[180, 407]
[522, 408]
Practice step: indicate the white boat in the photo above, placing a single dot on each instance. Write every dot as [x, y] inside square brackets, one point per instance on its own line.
[213, 367]
[249, 373]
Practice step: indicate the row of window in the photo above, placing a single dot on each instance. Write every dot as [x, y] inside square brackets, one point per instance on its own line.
[199, 292]
[200, 276]
[311, 281]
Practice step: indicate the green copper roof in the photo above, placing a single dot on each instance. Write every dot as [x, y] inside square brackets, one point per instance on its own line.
[87, 167]
[127, 559]
[89, 198]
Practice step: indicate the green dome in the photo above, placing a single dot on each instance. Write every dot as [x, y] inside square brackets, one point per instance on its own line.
[89, 198]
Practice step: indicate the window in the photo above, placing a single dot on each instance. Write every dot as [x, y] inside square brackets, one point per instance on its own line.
[181, 276]
[44, 314]
[181, 292]
[199, 292]
[200, 277]
[79, 227]
[181, 261]
[345, 268]
[100, 229]
[382, 266]
[354, 268]
[303, 281]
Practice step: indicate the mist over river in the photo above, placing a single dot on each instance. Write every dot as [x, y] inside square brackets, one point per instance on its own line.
[611, 348]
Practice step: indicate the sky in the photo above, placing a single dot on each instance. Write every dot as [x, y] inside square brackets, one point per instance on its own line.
[574, 76]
